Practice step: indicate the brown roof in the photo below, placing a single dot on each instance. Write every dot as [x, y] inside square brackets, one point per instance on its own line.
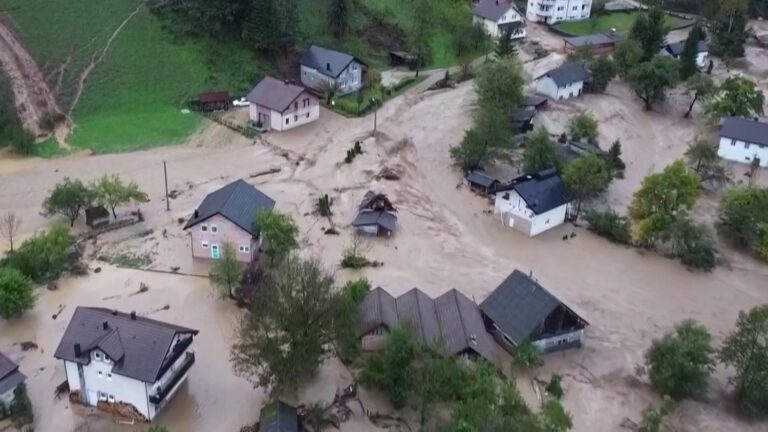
[215, 96]
[274, 93]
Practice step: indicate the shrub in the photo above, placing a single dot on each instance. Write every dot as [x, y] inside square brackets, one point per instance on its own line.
[356, 290]
[609, 225]
[526, 355]
[44, 257]
[16, 295]
[554, 387]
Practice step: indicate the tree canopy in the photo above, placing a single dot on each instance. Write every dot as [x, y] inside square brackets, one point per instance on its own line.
[484, 142]
[702, 87]
[111, 192]
[16, 293]
[279, 231]
[602, 70]
[540, 152]
[586, 177]
[338, 16]
[729, 28]
[499, 85]
[689, 56]
[649, 30]
[227, 271]
[703, 159]
[44, 256]
[650, 80]
[737, 96]
[68, 198]
[583, 126]
[743, 215]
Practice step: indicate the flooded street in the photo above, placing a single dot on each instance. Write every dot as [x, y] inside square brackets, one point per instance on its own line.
[445, 240]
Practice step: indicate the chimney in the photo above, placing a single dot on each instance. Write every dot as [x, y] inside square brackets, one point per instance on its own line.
[328, 67]
[133, 315]
[78, 351]
[104, 325]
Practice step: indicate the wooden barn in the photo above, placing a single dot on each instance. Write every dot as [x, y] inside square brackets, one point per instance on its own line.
[214, 101]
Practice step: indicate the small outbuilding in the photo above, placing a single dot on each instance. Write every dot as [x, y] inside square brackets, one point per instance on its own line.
[96, 217]
[520, 310]
[521, 120]
[745, 141]
[598, 44]
[675, 50]
[535, 101]
[402, 58]
[480, 182]
[564, 82]
[214, 101]
[376, 215]
[279, 417]
[10, 378]
[533, 204]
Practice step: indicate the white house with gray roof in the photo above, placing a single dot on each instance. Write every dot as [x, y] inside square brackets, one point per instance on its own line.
[743, 140]
[320, 66]
[498, 17]
[564, 82]
[675, 50]
[532, 204]
[281, 105]
[124, 362]
[10, 378]
[554, 11]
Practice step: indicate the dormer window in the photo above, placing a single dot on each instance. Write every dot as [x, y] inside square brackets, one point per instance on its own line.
[97, 355]
[107, 360]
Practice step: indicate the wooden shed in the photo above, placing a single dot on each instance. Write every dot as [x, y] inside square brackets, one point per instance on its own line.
[214, 101]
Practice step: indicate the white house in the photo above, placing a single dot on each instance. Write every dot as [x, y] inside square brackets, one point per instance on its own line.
[533, 204]
[553, 11]
[675, 50]
[499, 16]
[320, 66]
[281, 105]
[10, 378]
[563, 82]
[115, 360]
[744, 141]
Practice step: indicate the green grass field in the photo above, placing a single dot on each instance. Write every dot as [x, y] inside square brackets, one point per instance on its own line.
[622, 22]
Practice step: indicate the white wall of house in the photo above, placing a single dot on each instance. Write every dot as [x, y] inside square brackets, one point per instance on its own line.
[546, 86]
[492, 27]
[209, 236]
[305, 109]
[553, 11]
[702, 59]
[7, 397]
[740, 151]
[349, 80]
[559, 342]
[513, 210]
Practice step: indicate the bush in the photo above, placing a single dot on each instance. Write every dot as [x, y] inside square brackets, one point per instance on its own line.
[554, 387]
[16, 295]
[526, 355]
[609, 225]
[44, 257]
[356, 290]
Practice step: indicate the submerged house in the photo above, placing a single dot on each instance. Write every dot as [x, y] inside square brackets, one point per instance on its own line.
[279, 417]
[499, 17]
[123, 363]
[675, 50]
[10, 378]
[376, 215]
[745, 141]
[322, 66]
[227, 215]
[480, 182]
[451, 321]
[563, 82]
[520, 310]
[281, 105]
[533, 204]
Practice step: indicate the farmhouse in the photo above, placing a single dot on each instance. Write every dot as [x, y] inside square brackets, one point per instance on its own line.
[598, 44]
[321, 67]
[533, 204]
[499, 17]
[521, 310]
[10, 378]
[123, 363]
[452, 321]
[226, 216]
[280, 105]
[480, 182]
[278, 417]
[554, 11]
[376, 215]
[563, 82]
[745, 141]
[675, 50]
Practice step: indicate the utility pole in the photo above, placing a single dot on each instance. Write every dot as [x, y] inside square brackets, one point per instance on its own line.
[375, 115]
[167, 200]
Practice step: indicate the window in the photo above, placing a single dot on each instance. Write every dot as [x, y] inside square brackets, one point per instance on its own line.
[307, 115]
[295, 105]
[204, 228]
[112, 398]
[244, 248]
[100, 374]
[109, 375]
[575, 8]
[97, 356]
[546, 222]
[746, 145]
[354, 66]
[296, 117]
[561, 8]
[214, 229]
[102, 396]
[733, 143]
[205, 245]
[287, 120]
[583, 7]
[305, 102]
[107, 360]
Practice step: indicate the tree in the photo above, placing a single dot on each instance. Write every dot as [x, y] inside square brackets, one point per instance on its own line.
[289, 25]
[586, 177]
[602, 70]
[111, 192]
[737, 96]
[357, 289]
[22, 142]
[226, 272]
[554, 417]
[279, 231]
[702, 87]
[499, 85]
[68, 198]
[680, 363]
[609, 225]
[319, 416]
[9, 226]
[16, 295]
[505, 47]
[292, 322]
[615, 165]
[653, 417]
[389, 369]
[693, 243]
[583, 126]
[44, 256]
[743, 214]
[628, 54]
[372, 78]
[702, 157]
[21, 407]
[689, 56]
[746, 350]
[421, 32]
[729, 29]
[650, 80]
[649, 30]
[484, 142]
[338, 17]
[262, 28]
[540, 152]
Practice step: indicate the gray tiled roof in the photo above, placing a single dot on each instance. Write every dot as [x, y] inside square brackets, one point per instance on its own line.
[567, 73]
[593, 39]
[238, 201]
[480, 178]
[491, 9]
[327, 61]
[676, 48]
[377, 309]
[274, 94]
[417, 310]
[518, 306]
[10, 376]
[750, 131]
[6, 365]
[144, 342]
[383, 219]
[462, 325]
[278, 417]
[541, 192]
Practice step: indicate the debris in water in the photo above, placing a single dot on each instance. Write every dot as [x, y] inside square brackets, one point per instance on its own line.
[52, 286]
[97, 270]
[58, 312]
[142, 289]
[110, 297]
[180, 220]
[165, 233]
[27, 345]
[174, 194]
[272, 170]
[388, 173]
[175, 269]
[331, 231]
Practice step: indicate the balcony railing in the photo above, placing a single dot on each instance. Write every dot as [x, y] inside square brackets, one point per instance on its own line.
[163, 391]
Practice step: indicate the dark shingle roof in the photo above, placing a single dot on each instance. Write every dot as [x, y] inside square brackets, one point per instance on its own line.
[417, 310]
[676, 48]
[751, 131]
[6, 365]
[383, 219]
[278, 417]
[491, 9]
[10, 376]
[274, 94]
[377, 308]
[238, 201]
[593, 39]
[541, 192]
[327, 61]
[140, 343]
[518, 306]
[567, 73]
[462, 325]
[511, 26]
[480, 178]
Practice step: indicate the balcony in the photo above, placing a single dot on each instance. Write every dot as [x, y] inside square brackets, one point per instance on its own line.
[178, 374]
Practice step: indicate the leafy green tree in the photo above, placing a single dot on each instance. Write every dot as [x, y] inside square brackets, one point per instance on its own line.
[688, 64]
[609, 225]
[602, 70]
[262, 28]
[628, 54]
[554, 417]
[499, 86]
[693, 243]
[680, 363]
[389, 369]
[540, 153]
[319, 416]
[737, 96]
[290, 22]
[554, 386]
[703, 159]
[583, 126]
[206, 18]
[761, 248]
[526, 355]
[478, 402]
[226, 272]
[279, 231]
[16, 295]
[437, 377]
[701, 86]
[587, 177]
[729, 29]
[653, 417]
[649, 30]
[357, 289]
[21, 407]
[484, 142]
[22, 142]
[68, 198]
[111, 192]
[44, 256]
[746, 350]
[338, 17]
[293, 320]
[650, 80]
[421, 32]
[742, 214]
[613, 159]
[505, 47]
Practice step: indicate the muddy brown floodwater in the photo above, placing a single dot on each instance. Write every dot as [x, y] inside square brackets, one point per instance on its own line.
[445, 240]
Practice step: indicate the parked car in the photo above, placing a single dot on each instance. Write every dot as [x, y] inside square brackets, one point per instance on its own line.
[240, 102]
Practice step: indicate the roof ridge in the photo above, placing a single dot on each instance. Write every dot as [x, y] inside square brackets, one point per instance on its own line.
[418, 311]
[461, 316]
